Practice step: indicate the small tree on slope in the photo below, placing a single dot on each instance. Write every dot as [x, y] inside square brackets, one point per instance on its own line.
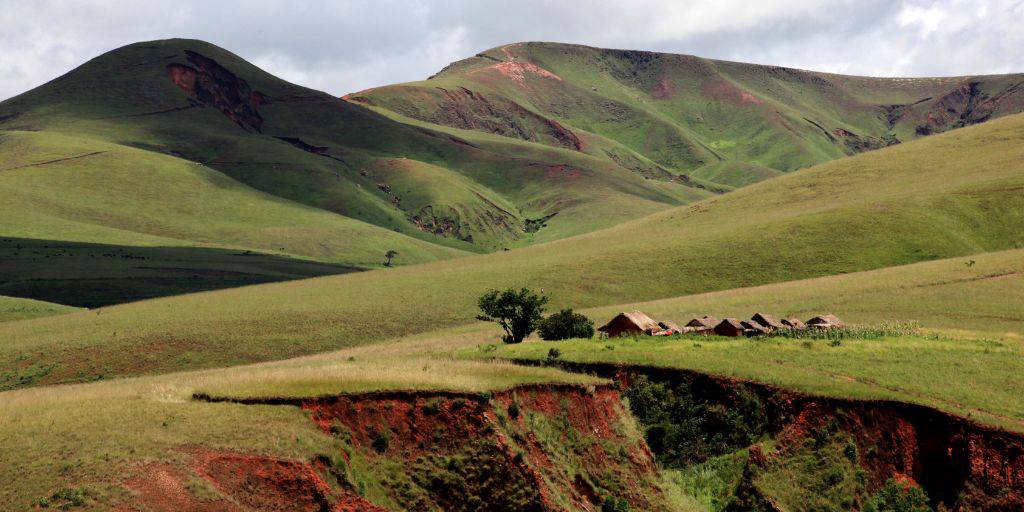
[517, 312]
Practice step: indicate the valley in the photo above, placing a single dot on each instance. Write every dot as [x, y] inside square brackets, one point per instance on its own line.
[223, 291]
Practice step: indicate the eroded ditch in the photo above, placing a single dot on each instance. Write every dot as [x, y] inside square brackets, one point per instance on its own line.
[564, 447]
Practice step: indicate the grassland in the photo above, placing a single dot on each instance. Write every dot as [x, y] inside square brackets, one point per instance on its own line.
[61, 435]
[295, 147]
[83, 190]
[48, 423]
[726, 122]
[930, 370]
[15, 308]
[930, 199]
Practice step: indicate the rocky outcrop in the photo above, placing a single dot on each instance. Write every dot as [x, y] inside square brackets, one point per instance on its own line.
[207, 83]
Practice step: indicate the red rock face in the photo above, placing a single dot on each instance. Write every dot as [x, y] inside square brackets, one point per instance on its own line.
[209, 84]
[246, 482]
[520, 461]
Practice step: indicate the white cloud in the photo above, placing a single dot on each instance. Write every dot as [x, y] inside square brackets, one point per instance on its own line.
[348, 45]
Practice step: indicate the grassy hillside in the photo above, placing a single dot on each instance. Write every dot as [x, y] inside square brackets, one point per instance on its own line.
[44, 425]
[14, 308]
[934, 198]
[691, 115]
[59, 438]
[212, 110]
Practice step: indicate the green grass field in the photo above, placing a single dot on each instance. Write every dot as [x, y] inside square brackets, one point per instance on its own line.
[919, 201]
[15, 308]
[131, 190]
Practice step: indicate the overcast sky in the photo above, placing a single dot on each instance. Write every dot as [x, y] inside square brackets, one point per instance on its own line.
[344, 46]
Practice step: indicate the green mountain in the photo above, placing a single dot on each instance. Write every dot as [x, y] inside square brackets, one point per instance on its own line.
[724, 122]
[238, 177]
[182, 145]
[203, 106]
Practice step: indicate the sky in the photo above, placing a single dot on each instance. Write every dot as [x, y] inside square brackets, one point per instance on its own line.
[344, 46]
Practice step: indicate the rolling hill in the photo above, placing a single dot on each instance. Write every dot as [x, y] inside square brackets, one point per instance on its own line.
[205, 106]
[725, 122]
[937, 197]
[181, 145]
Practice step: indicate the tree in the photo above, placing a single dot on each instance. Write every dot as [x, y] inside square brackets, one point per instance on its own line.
[389, 255]
[565, 325]
[517, 312]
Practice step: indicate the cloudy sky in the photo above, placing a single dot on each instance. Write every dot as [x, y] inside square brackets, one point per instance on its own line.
[347, 45]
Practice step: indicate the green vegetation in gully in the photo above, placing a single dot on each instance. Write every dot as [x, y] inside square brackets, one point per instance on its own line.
[933, 198]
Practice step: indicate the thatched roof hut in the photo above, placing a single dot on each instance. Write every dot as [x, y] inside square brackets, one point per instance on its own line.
[704, 322]
[668, 325]
[825, 322]
[752, 328]
[730, 327]
[793, 323]
[767, 321]
[627, 323]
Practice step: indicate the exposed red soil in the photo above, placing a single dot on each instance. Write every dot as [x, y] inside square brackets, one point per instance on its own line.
[245, 482]
[422, 424]
[960, 464]
[665, 90]
[209, 84]
[471, 110]
[518, 70]
[161, 488]
[724, 91]
[562, 171]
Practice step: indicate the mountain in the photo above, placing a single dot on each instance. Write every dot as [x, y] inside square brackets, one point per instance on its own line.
[238, 177]
[205, 106]
[182, 145]
[727, 123]
[953, 194]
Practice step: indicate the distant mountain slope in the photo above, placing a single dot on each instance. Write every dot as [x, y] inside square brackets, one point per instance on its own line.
[686, 113]
[202, 104]
[954, 194]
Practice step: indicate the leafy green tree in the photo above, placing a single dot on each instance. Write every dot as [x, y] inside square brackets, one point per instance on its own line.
[390, 255]
[897, 497]
[565, 325]
[517, 312]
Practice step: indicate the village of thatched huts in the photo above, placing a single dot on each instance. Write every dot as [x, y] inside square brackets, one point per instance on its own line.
[636, 323]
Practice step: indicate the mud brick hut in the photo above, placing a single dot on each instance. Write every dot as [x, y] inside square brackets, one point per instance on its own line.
[730, 327]
[630, 323]
[767, 321]
[828, 321]
[704, 325]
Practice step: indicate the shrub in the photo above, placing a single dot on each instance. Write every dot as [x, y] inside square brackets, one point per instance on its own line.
[517, 312]
[897, 497]
[613, 504]
[565, 325]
